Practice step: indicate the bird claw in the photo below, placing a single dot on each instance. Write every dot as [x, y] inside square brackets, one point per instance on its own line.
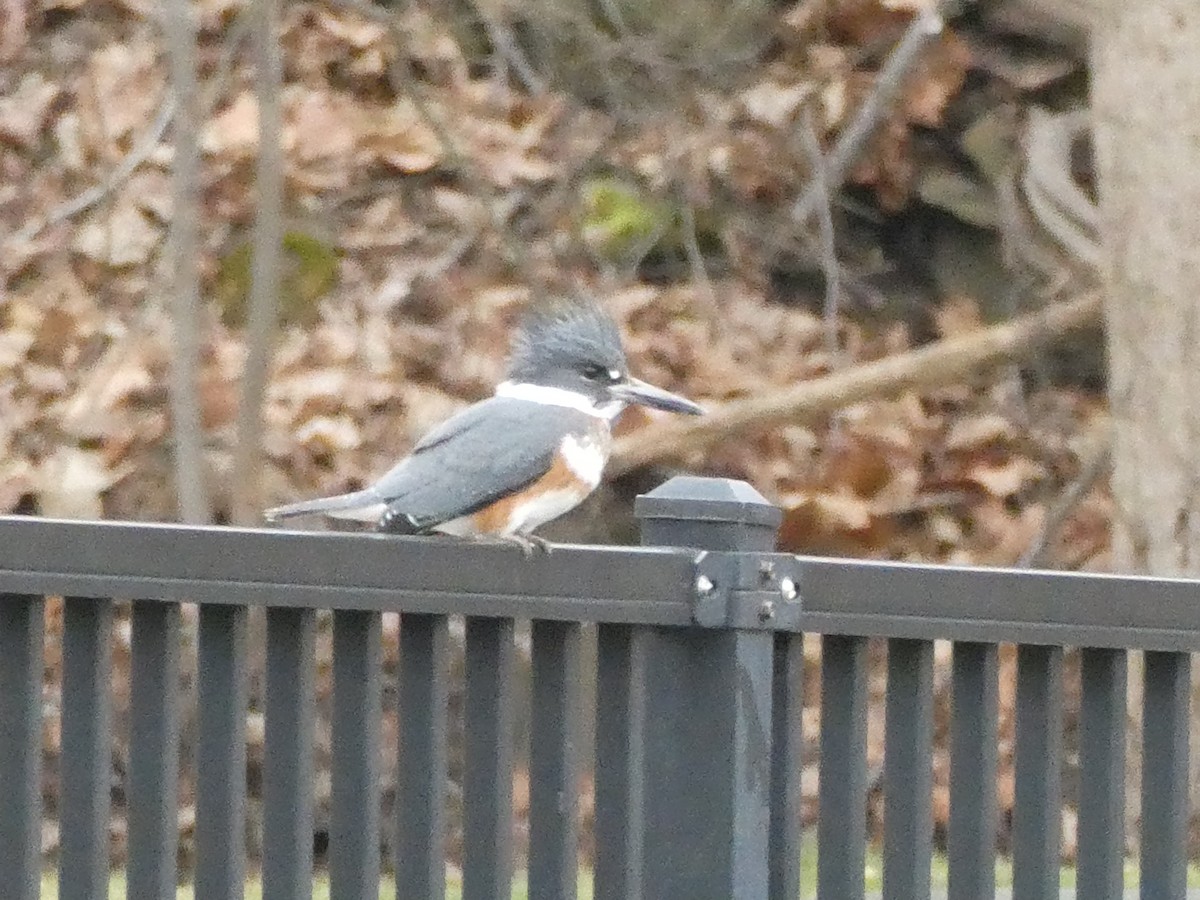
[529, 543]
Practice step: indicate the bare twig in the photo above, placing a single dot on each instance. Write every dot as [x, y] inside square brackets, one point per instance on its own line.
[142, 147]
[853, 138]
[137, 155]
[266, 266]
[695, 256]
[401, 83]
[83, 403]
[940, 363]
[829, 261]
[185, 291]
[506, 46]
[1093, 464]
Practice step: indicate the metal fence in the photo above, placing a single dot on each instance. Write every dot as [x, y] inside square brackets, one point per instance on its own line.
[697, 751]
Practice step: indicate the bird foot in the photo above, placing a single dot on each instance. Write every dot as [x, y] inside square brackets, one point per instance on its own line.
[529, 543]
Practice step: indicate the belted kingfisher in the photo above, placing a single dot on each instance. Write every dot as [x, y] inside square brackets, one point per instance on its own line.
[532, 451]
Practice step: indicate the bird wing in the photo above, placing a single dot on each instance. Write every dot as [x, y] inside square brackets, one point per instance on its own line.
[487, 451]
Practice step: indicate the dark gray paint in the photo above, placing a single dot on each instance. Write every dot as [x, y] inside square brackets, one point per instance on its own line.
[554, 761]
[420, 865]
[21, 665]
[1165, 717]
[354, 859]
[487, 778]
[153, 750]
[86, 760]
[1037, 811]
[344, 571]
[221, 753]
[842, 825]
[908, 770]
[621, 691]
[681, 815]
[288, 756]
[669, 697]
[787, 745]
[646, 585]
[998, 605]
[1101, 831]
[972, 840]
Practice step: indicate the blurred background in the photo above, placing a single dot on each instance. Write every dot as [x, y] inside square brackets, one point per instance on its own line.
[251, 252]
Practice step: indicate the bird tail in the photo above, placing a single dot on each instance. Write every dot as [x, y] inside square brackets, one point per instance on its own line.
[364, 504]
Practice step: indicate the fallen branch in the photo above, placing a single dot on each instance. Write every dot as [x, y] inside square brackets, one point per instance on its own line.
[935, 365]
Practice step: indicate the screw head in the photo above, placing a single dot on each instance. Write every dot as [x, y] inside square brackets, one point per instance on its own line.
[766, 611]
[704, 585]
[766, 571]
[787, 589]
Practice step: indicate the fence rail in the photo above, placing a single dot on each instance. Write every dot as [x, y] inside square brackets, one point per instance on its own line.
[699, 701]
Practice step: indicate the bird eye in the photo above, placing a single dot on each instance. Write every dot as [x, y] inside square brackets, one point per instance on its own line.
[594, 372]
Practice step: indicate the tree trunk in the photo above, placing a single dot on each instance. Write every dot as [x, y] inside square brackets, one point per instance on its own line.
[1146, 100]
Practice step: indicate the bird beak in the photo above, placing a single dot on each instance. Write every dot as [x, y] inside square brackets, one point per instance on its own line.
[634, 390]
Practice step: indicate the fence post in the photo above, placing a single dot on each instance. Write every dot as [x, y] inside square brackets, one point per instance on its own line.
[683, 767]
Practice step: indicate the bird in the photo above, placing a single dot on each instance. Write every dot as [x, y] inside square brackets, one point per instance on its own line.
[532, 451]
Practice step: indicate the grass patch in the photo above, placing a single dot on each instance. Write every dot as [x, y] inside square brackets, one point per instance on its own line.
[387, 889]
[808, 880]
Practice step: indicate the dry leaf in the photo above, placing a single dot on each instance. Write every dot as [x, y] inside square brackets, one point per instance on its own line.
[774, 104]
[329, 434]
[322, 125]
[1008, 478]
[977, 432]
[399, 138]
[358, 33]
[23, 111]
[70, 483]
[127, 84]
[233, 133]
[125, 238]
[936, 79]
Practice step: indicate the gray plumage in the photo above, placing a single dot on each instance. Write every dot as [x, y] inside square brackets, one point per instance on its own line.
[485, 452]
[554, 339]
[568, 378]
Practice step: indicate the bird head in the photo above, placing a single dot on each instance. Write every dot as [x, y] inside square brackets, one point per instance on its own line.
[575, 347]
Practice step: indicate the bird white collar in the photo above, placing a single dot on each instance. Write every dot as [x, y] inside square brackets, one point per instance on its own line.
[554, 396]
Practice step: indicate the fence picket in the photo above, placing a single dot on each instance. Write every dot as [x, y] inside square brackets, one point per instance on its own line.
[972, 838]
[488, 751]
[842, 826]
[1101, 838]
[420, 863]
[787, 744]
[221, 753]
[554, 761]
[354, 860]
[86, 752]
[1037, 812]
[21, 635]
[908, 770]
[287, 757]
[1165, 714]
[153, 750]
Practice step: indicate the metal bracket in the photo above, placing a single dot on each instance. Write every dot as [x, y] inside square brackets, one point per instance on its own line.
[755, 591]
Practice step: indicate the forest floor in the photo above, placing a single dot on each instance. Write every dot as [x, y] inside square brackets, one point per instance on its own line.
[430, 196]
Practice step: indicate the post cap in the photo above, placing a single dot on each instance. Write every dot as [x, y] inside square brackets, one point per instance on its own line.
[694, 498]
